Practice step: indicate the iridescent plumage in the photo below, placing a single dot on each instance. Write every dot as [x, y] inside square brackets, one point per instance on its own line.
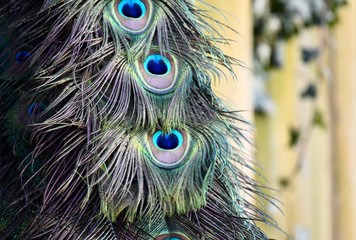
[114, 127]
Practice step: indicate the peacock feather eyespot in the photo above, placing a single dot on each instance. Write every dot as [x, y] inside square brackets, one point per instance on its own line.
[169, 149]
[172, 236]
[169, 141]
[17, 62]
[30, 112]
[158, 73]
[132, 9]
[158, 65]
[35, 108]
[22, 56]
[134, 16]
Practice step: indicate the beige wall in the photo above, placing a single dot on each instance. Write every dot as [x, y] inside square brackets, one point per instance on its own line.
[238, 16]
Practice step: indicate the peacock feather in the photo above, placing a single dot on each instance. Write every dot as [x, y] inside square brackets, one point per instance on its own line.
[110, 128]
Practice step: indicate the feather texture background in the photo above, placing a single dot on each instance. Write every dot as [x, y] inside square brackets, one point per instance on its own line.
[114, 129]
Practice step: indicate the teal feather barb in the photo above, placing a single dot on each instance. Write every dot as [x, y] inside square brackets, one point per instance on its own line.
[110, 128]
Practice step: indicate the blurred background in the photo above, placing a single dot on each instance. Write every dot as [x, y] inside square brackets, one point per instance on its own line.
[298, 87]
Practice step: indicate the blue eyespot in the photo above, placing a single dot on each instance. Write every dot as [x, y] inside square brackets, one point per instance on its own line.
[35, 108]
[157, 65]
[172, 238]
[22, 56]
[132, 8]
[168, 141]
[168, 151]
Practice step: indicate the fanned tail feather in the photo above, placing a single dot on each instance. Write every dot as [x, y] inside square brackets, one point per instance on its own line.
[114, 128]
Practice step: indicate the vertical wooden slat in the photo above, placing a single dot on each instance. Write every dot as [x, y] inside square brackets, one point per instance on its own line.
[314, 180]
[273, 136]
[343, 61]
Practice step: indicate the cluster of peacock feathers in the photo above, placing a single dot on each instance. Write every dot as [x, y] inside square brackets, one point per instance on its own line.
[110, 128]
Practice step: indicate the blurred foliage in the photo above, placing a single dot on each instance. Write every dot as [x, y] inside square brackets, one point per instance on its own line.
[319, 119]
[276, 20]
[294, 136]
[311, 91]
